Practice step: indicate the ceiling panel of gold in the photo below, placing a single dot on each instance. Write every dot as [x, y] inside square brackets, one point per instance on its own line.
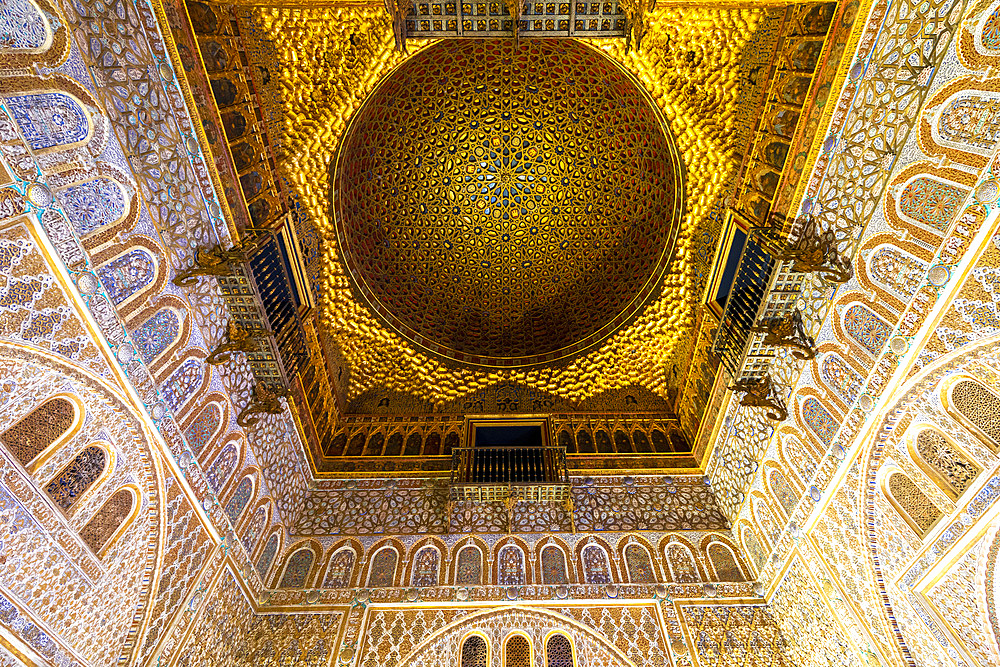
[507, 204]
[332, 58]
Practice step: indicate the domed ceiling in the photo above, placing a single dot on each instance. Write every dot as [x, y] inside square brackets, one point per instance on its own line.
[507, 205]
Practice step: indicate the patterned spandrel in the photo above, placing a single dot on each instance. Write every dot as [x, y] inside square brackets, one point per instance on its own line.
[511, 161]
[124, 276]
[103, 525]
[595, 565]
[640, 567]
[93, 204]
[203, 428]
[48, 120]
[753, 547]
[510, 566]
[866, 328]
[77, 477]
[553, 566]
[38, 429]
[234, 508]
[954, 471]
[517, 652]
[156, 334]
[819, 420]
[558, 652]
[474, 652]
[22, 27]
[469, 571]
[922, 513]
[724, 563]
[297, 570]
[980, 406]
[338, 573]
[383, 569]
[267, 556]
[425, 567]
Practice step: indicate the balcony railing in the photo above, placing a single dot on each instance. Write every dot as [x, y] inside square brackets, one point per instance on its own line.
[504, 474]
[764, 288]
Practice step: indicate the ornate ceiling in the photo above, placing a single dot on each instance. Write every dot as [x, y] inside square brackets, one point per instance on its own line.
[330, 59]
[507, 204]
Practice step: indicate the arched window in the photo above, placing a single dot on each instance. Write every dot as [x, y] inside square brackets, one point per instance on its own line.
[724, 563]
[32, 33]
[222, 468]
[253, 530]
[234, 508]
[840, 377]
[980, 406]
[93, 204]
[640, 567]
[475, 652]
[896, 271]
[916, 508]
[819, 420]
[41, 427]
[103, 525]
[338, 574]
[558, 651]
[156, 334]
[554, 566]
[948, 466]
[383, 572]
[124, 276]
[297, 570]
[595, 565]
[48, 120]
[200, 432]
[267, 556]
[425, 567]
[783, 491]
[866, 328]
[682, 567]
[183, 383]
[928, 201]
[77, 477]
[469, 570]
[517, 652]
[510, 566]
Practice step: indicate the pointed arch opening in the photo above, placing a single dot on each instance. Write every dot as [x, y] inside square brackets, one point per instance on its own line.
[383, 568]
[943, 461]
[911, 502]
[559, 651]
[37, 431]
[469, 566]
[110, 521]
[77, 477]
[640, 565]
[425, 567]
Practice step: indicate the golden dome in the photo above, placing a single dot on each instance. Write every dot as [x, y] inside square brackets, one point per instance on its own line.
[507, 205]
